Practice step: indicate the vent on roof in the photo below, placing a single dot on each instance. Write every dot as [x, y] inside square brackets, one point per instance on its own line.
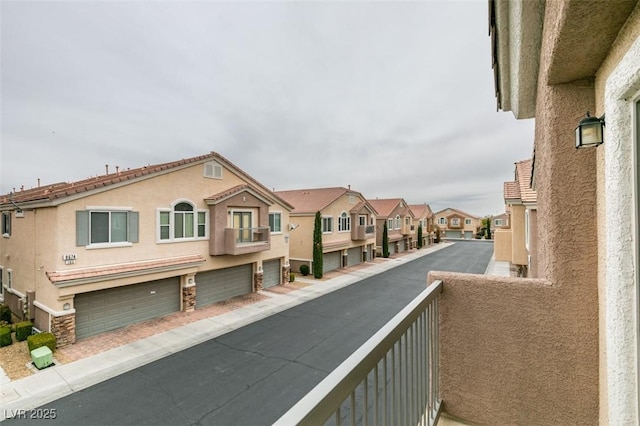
[213, 170]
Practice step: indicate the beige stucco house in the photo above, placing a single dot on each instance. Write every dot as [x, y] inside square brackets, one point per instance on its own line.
[563, 348]
[401, 230]
[423, 217]
[455, 223]
[348, 227]
[517, 244]
[90, 256]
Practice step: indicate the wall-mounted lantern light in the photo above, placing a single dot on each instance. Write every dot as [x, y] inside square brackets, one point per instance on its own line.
[590, 131]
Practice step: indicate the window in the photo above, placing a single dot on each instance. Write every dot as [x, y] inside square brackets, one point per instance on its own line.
[362, 220]
[327, 225]
[455, 222]
[6, 224]
[397, 222]
[213, 170]
[390, 223]
[467, 221]
[442, 221]
[1, 281]
[497, 222]
[9, 278]
[344, 222]
[243, 221]
[407, 220]
[182, 222]
[275, 222]
[102, 227]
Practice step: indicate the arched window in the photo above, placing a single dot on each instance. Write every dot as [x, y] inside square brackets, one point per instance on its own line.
[183, 221]
[344, 222]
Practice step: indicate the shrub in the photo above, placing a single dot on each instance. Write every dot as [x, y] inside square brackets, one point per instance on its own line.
[41, 339]
[5, 336]
[304, 270]
[292, 277]
[23, 330]
[5, 314]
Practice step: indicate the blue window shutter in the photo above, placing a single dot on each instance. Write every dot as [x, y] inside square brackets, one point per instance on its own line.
[133, 227]
[82, 228]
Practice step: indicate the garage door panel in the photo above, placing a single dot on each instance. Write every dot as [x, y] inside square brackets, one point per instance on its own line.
[354, 256]
[222, 284]
[331, 261]
[271, 273]
[105, 310]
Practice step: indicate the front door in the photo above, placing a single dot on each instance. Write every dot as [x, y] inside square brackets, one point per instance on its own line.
[242, 225]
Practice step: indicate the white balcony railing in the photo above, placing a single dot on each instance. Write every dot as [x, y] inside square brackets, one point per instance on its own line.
[392, 379]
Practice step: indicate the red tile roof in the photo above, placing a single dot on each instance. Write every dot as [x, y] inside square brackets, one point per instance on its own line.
[59, 191]
[314, 199]
[385, 207]
[420, 210]
[511, 190]
[460, 212]
[523, 175]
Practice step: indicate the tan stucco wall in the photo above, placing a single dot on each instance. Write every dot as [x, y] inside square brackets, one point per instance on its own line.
[511, 352]
[502, 245]
[42, 238]
[519, 253]
[533, 243]
[626, 37]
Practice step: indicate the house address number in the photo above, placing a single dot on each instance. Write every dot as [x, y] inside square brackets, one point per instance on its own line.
[69, 259]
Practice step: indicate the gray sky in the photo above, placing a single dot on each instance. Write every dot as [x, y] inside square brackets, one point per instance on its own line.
[395, 99]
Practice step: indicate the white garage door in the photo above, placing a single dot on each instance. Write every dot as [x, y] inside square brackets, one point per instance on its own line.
[354, 256]
[392, 247]
[104, 310]
[222, 284]
[331, 261]
[271, 273]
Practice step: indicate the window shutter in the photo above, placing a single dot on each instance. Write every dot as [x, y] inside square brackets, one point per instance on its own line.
[133, 227]
[82, 228]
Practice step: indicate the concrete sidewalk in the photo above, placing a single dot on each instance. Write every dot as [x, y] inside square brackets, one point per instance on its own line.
[61, 380]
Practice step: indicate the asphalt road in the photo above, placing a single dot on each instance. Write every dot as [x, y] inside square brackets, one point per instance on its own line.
[253, 375]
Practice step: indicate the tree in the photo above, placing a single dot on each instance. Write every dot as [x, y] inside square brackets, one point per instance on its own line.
[317, 246]
[385, 241]
[486, 227]
[419, 236]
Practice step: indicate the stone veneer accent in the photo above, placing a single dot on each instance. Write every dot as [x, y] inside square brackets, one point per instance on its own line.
[64, 328]
[189, 298]
[286, 272]
[258, 278]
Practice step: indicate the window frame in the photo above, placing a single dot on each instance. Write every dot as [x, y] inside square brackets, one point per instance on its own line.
[6, 224]
[397, 222]
[455, 221]
[344, 222]
[442, 221]
[2, 282]
[274, 214]
[84, 227]
[467, 221]
[170, 224]
[329, 220]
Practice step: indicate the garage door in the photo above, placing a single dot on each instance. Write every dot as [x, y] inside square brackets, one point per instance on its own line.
[401, 246]
[354, 256]
[104, 310]
[331, 261]
[222, 284]
[392, 247]
[468, 235]
[271, 273]
[453, 234]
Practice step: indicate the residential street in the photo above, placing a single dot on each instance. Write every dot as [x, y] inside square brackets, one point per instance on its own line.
[251, 376]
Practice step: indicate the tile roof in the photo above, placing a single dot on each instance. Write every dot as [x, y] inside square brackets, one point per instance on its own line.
[101, 273]
[60, 191]
[465, 214]
[420, 210]
[520, 188]
[523, 175]
[511, 190]
[314, 199]
[385, 207]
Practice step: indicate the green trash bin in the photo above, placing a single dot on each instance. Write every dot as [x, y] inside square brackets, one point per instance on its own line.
[42, 357]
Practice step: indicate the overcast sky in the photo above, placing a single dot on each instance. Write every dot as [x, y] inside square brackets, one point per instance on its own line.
[395, 99]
